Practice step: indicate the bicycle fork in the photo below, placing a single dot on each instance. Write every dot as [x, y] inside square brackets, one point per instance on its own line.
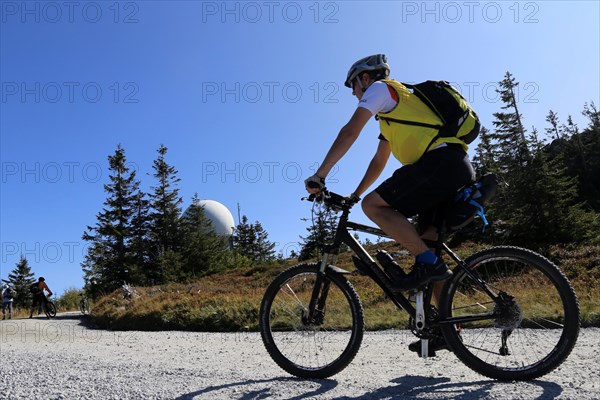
[318, 299]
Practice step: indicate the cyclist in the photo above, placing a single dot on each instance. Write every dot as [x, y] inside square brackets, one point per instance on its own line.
[37, 291]
[8, 295]
[430, 174]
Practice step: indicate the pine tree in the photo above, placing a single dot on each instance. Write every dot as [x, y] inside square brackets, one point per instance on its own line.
[165, 228]
[553, 130]
[589, 161]
[251, 241]
[516, 207]
[140, 241]
[21, 278]
[510, 134]
[484, 160]
[109, 260]
[320, 233]
[203, 251]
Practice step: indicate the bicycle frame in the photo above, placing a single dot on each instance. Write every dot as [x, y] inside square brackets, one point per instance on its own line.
[369, 267]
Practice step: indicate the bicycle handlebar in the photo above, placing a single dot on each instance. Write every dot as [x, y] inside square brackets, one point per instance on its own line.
[331, 200]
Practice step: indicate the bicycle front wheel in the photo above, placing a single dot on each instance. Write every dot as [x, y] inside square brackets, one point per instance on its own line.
[50, 309]
[527, 333]
[325, 344]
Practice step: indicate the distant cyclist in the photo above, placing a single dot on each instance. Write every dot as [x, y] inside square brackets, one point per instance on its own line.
[8, 295]
[39, 297]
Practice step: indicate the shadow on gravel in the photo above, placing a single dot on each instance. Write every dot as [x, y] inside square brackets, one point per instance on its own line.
[406, 387]
[213, 391]
[437, 388]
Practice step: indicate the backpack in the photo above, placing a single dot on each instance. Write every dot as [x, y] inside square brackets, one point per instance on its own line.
[34, 288]
[450, 107]
[9, 293]
[468, 203]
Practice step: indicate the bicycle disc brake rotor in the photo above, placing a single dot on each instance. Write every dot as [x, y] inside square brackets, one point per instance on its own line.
[510, 312]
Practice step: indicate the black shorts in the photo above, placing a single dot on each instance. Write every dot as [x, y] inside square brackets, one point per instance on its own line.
[38, 299]
[420, 188]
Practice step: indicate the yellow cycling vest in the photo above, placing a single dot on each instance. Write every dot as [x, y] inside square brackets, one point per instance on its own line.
[409, 142]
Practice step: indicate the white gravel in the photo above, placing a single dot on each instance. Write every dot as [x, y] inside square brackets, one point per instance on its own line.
[62, 359]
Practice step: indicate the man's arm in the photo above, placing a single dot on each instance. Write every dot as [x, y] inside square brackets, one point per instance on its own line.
[347, 136]
[44, 286]
[375, 168]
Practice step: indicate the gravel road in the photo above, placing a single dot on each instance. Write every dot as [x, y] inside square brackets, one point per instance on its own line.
[62, 359]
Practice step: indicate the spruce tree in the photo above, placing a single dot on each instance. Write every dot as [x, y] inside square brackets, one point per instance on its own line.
[321, 232]
[203, 252]
[484, 160]
[516, 206]
[140, 241]
[509, 134]
[21, 278]
[588, 145]
[251, 241]
[109, 260]
[165, 228]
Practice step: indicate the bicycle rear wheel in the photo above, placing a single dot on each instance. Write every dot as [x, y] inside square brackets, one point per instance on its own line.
[328, 342]
[530, 333]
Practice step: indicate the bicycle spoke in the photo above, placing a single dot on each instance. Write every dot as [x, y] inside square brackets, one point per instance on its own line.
[310, 348]
[529, 315]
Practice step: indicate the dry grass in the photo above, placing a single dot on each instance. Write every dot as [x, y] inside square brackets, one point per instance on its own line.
[231, 301]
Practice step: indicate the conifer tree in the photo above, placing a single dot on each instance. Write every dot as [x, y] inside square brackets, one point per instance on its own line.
[140, 240]
[251, 241]
[509, 135]
[21, 278]
[165, 228]
[484, 160]
[320, 233]
[203, 251]
[109, 260]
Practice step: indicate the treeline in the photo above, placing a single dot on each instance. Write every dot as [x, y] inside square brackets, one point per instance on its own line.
[549, 189]
[143, 239]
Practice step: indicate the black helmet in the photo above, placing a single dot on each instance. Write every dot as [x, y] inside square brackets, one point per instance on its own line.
[370, 63]
[41, 279]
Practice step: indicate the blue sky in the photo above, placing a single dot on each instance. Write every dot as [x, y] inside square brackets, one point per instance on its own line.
[247, 96]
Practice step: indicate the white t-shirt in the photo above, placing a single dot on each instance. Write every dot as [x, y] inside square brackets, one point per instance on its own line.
[377, 98]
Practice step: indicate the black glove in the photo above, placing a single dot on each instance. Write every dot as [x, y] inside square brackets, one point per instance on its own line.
[353, 198]
[314, 182]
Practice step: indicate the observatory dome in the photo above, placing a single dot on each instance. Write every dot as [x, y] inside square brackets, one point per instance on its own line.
[219, 215]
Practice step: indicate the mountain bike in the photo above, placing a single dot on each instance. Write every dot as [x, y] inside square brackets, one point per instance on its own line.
[507, 312]
[49, 308]
[84, 305]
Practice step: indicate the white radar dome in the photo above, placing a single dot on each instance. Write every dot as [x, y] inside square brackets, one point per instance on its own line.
[219, 216]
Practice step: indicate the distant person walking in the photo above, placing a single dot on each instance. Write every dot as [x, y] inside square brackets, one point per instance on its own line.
[8, 296]
[37, 290]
